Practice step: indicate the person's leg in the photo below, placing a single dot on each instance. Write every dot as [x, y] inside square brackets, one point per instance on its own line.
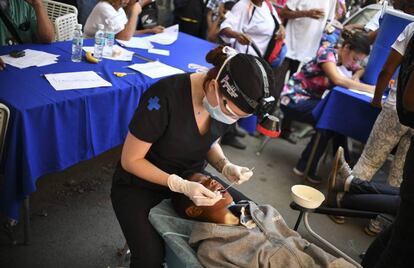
[385, 134]
[397, 167]
[293, 66]
[382, 203]
[300, 111]
[325, 136]
[376, 248]
[400, 247]
[132, 205]
[358, 186]
[280, 74]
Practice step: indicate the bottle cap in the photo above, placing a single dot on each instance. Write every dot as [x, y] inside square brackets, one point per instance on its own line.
[79, 26]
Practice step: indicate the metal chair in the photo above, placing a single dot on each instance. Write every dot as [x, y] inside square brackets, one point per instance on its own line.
[64, 18]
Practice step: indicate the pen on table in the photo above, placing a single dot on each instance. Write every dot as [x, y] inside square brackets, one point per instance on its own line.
[143, 58]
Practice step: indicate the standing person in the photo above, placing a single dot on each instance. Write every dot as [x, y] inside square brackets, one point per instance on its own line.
[394, 247]
[191, 16]
[306, 22]
[387, 131]
[176, 128]
[251, 21]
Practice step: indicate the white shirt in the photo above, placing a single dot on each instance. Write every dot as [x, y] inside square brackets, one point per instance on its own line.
[303, 35]
[400, 45]
[104, 13]
[373, 23]
[260, 28]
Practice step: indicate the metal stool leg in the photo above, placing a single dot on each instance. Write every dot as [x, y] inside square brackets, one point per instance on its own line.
[326, 243]
[298, 220]
[312, 155]
[262, 145]
[26, 220]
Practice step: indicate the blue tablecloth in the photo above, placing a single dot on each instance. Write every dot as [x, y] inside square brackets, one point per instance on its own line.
[346, 113]
[51, 130]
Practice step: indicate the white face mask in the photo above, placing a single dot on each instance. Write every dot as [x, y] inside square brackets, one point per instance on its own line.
[217, 113]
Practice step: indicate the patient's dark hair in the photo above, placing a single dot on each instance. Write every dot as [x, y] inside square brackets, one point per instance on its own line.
[358, 42]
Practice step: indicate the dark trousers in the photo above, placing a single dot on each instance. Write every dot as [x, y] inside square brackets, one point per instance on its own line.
[280, 73]
[372, 196]
[132, 204]
[394, 247]
[302, 112]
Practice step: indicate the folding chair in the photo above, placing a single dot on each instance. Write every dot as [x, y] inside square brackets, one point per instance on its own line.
[64, 18]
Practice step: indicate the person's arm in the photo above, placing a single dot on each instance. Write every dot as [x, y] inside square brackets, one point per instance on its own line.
[358, 74]
[389, 68]
[232, 172]
[339, 80]
[133, 10]
[153, 30]
[45, 30]
[133, 160]
[408, 98]
[2, 65]
[242, 38]
[209, 18]
[372, 35]
[313, 13]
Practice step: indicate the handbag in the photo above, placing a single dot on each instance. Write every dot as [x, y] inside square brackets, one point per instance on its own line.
[275, 46]
[10, 27]
[149, 16]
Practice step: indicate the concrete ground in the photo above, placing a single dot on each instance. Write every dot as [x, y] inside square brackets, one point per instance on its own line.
[73, 224]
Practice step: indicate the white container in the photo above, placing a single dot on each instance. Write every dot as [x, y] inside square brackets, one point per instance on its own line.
[306, 196]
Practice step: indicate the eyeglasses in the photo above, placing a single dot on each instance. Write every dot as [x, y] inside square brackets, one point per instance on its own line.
[230, 111]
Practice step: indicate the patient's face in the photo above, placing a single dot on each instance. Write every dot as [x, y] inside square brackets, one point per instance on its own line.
[213, 186]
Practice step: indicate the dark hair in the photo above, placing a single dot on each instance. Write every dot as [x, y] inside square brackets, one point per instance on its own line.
[244, 71]
[358, 42]
[229, 5]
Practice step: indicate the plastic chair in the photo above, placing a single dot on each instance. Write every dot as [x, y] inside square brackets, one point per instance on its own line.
[64, 18]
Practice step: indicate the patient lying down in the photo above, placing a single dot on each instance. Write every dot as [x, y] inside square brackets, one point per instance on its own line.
[246, 235]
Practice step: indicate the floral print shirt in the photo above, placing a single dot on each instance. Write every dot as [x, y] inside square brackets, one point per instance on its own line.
[311, 81]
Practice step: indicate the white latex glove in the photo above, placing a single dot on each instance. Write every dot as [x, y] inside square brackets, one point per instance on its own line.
[200, 195]
[237, 174]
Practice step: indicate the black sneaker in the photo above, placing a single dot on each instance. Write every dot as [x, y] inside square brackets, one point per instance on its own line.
[314, 179]
[238, 132]
[233, 142]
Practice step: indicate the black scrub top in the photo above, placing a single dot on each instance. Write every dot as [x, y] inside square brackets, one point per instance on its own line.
[165, 118]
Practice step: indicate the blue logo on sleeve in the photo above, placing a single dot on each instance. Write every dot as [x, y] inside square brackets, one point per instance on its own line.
[153, 104]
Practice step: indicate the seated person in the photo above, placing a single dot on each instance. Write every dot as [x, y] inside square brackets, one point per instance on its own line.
[304, 91]
[258, 234]
[111, 14]
[347, 191]
[28, 22]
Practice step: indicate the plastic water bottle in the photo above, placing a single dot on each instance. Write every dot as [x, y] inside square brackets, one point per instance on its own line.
[99, 42]
[77, 43]
[110, 40]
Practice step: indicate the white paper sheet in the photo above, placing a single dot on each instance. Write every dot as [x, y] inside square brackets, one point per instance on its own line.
[136, 42]
[76, 80]
[371, 95]
[31, 58]
[155, 69]
[125, 55]
[163, 52]
[167, 37]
